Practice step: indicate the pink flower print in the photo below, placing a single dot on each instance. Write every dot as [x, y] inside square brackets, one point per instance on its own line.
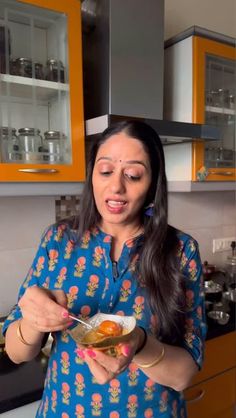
[65, 393]
[97, 256]
[65, 363]
[114, 414]
[183, 260]
[138, 307]
[107, 238]
[72, 296]
[174, 409]
[47, 238]
[28, 278]
[192, 268]
[46, 282]
[59, 233]
[92, 285]
[132, 406]
[61, 278]
[80, 267]
[125, 290]
[53, 260]
[133, 374]
[85, 312]
[114, 391]
[64, 415]
[79, 411]
[149, 389]
[148, 413]
[85, 240]
[54, 400]
[79, 384]
[45, 407]
[39, 266]
[68, 250]
[163, 401]
[96, 404]
[121, 313]
[54, 371]
[79, 357]
[189, 299]
[192, 245]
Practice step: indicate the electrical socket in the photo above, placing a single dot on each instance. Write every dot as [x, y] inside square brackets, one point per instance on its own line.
[222, 244]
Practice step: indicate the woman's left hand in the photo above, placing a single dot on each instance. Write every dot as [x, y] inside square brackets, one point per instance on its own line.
[105, 367]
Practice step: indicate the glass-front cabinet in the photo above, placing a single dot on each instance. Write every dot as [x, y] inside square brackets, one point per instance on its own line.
[200, 87]
[41, 95]
[214, 93]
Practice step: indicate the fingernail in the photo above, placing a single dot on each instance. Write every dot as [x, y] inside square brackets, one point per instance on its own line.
[80, 353]
[90, 353]
[65, 314]
[126, 350]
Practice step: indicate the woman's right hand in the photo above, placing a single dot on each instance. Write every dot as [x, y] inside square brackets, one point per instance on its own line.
[45, 310]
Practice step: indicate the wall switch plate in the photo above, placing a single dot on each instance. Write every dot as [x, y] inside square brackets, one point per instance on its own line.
[222, 244]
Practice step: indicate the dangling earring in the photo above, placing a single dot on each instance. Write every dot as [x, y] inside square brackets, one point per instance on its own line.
[149, 209]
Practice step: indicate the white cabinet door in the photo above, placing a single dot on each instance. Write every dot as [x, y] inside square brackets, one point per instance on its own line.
[27, 411]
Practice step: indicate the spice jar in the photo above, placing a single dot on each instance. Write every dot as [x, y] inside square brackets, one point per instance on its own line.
[38, 69]
[30, 144]
[55, 71]
[9, 145]
[54, 146]
[23, 67]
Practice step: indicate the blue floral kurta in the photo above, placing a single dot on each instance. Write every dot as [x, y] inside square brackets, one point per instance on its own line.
[85, 274]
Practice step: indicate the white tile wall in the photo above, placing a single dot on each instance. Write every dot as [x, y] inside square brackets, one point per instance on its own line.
[22, 221]
[205, 216]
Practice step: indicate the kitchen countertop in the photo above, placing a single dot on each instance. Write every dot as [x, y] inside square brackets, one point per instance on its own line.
[23, 383]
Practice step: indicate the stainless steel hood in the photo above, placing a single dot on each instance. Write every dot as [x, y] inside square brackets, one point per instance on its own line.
[123, 50]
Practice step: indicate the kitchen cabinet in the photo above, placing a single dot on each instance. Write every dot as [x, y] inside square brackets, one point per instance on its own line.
[212, 393]
[41, 89]
[200, 74]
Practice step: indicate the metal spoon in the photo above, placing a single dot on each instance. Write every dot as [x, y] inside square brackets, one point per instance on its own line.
[75, 318]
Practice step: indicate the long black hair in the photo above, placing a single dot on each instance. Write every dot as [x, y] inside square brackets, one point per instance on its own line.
[158, 268]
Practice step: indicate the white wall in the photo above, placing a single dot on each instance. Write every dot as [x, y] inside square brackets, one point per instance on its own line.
[205, 216]
[216, 15]
[22, 221]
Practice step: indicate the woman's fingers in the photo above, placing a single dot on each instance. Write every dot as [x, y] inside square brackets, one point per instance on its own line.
[41, 307]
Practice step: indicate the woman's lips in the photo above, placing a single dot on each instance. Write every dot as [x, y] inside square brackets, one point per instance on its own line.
[116, 206]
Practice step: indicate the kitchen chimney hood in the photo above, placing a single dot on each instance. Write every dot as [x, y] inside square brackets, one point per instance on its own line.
[123, 66]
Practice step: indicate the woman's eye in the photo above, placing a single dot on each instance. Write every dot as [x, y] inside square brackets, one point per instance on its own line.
[132, 177]
[105, 173]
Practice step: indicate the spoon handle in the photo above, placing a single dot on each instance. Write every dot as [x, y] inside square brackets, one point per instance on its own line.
[75, 318]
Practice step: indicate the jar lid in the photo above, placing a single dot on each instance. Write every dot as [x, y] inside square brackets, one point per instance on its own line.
[5, 130]
[53, 61]
[29, 131]
[22, 60]
[54, 135]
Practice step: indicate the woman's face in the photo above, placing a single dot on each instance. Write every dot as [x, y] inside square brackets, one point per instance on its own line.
[121, 180]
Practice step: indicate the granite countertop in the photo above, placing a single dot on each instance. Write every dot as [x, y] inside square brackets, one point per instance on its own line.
[23, 383]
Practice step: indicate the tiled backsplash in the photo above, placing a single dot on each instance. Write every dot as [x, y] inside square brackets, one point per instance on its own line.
[67, 206]
[23, 219]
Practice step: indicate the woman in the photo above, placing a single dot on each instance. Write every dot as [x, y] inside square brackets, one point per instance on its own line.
[118, 256]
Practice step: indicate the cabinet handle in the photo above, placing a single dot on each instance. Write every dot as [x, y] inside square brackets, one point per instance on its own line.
[198, 397]
[38, 170]
[221, 173]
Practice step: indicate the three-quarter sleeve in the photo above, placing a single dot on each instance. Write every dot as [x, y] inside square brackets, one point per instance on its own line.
[195, 321]
[38, 273]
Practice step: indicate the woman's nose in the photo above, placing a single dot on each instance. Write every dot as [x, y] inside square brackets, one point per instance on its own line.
[117, 183]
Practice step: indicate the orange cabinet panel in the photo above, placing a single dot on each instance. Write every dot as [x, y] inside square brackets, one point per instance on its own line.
[220, 355]
[212, 397]
[42, 31]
